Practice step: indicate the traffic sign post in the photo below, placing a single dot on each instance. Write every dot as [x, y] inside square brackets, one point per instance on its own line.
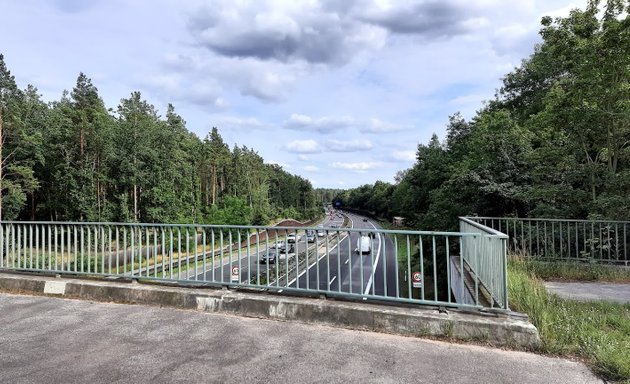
[235, 274]
[416, 279]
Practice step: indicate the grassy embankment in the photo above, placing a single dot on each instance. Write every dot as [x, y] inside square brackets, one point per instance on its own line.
[597, 332]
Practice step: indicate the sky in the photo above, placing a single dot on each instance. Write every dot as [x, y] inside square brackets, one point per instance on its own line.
[339, 92]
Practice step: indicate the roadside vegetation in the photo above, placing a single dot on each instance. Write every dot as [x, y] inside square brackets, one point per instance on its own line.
[597, 332]
[576, 272]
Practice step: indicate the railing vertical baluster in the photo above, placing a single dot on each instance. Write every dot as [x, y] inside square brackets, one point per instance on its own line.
[530, 251]
[221, 255]
[155, 250]
[164, 253]
[37, 242]
[561, 241]
[188, 253]
[212, 245]
[179, 252]
[372, 266]
[117, 235]
[327, 284]
[317, 263]
[409, 272]
[601, 243]
[434, 268]
[448, 269]
[147, 250]
[396, 267]
[625, 244]
[462, 241]
[476, 262]
[203, 253]
[140, 251]
[132, 248]
[3, 255]
[102, 234]
[171, 253]
[523, 242]
[30, 245]
[125, 250]
[569, 240]
[384, 247]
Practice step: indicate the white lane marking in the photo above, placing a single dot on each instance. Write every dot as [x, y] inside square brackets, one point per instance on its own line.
[324, 254]
[331, 281]
[347, 261]
[378, 254]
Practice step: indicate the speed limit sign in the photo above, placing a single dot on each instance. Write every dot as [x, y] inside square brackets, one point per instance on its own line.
[235, 274]
[416, 279]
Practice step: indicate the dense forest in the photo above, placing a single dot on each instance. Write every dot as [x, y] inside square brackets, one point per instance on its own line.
[76, 160]
[554, 142]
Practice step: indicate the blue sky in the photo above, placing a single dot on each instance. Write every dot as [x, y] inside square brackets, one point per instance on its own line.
[339, 92]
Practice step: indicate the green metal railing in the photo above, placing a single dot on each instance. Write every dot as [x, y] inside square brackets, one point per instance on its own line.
[400, 266]
[487, 260]
[598, 241]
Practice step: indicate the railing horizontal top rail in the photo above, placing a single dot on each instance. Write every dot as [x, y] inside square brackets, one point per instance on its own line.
[248, 227]
[547, 219]
[483, 228]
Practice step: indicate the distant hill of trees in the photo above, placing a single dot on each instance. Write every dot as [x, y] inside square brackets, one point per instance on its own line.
[76, 160]
[555, 142]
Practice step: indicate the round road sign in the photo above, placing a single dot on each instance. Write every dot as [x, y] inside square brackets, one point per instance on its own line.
[416, 277]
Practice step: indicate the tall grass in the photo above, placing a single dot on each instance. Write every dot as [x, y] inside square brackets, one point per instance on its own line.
[598, 332]
[576, 271]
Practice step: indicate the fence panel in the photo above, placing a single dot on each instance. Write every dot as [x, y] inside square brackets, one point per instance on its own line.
[366, 264]
[592, 241]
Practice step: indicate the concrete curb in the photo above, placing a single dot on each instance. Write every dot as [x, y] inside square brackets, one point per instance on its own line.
[496, 328]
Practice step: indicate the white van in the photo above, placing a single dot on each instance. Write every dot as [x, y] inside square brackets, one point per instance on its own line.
[364, 244]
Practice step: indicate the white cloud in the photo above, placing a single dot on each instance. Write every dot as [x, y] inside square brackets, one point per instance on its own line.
[378, 126]
[359, 167]
[310, 168]
[236, 122]
[303, 146]
[404, 155]
[326, 124]
[348, 146]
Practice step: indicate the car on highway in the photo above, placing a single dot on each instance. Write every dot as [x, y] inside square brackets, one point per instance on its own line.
[364, 245]
[321, 232]
[293, 238]
[277, 245]
[310, 238]
[365, 220]
[268, 257]
[284, 250]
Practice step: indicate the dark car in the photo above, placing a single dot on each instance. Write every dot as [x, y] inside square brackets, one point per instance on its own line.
[310, 238]
[364, 219]
[269, 258]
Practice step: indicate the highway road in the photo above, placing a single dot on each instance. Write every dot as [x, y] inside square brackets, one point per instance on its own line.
[336, 267]
[343, 269]
[250, 262]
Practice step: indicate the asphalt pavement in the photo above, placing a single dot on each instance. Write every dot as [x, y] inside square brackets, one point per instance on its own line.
[590, 291]
[70, 341]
